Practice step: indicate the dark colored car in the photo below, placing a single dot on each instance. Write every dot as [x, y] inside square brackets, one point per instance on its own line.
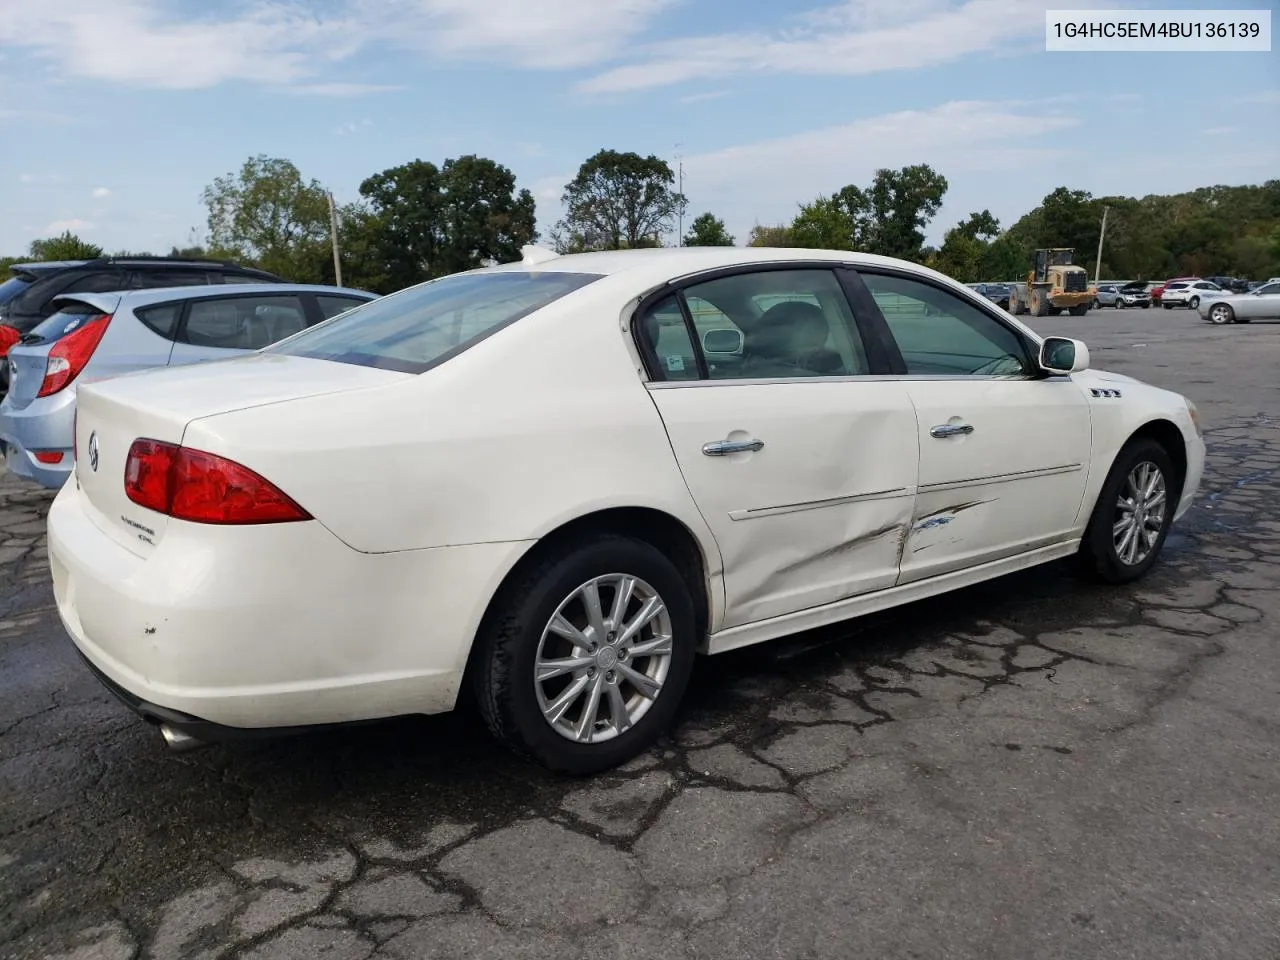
[1230, 283]
[997, 293]
[26, 297]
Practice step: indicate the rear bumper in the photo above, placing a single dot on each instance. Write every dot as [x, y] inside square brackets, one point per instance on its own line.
[44, 425]
[268, 628]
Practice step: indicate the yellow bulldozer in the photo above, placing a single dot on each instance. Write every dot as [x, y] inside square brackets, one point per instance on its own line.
[1054, 285]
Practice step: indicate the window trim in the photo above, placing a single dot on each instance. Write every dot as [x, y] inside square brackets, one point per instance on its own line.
[878, 359]
[876, 317]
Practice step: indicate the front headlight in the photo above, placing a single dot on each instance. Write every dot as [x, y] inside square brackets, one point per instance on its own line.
[1195, 418]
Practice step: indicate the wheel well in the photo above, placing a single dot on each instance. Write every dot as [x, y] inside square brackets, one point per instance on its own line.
[660, 530]
[1170, 437]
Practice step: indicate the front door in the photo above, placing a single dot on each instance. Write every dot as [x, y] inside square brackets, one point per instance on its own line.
[804, 468]
[1004, 452]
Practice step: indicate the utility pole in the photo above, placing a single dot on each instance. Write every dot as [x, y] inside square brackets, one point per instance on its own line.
[333, 235]
[1097, 269]
[680, 190]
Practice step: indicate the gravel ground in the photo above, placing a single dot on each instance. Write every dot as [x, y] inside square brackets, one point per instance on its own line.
[1034, 768]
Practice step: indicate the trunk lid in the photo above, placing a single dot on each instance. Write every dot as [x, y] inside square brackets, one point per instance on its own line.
[29, 357]
[26, 372]
[159, 404]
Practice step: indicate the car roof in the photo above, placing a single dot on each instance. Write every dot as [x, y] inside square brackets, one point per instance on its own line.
[141, 298]
[657, 265]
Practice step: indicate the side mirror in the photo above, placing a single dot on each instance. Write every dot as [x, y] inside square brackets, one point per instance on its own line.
[1061, 355]
[722, 341]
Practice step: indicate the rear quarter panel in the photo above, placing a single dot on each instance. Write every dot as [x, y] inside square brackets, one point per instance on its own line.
[541, 423]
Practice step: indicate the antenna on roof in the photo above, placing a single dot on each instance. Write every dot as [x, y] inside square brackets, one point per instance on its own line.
[532, 254]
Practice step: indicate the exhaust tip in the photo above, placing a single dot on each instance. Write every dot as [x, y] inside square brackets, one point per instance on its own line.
[177, 740]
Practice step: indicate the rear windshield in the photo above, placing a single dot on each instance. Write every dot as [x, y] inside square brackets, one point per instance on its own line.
[70, 318]
[12, 287]
[415, 329]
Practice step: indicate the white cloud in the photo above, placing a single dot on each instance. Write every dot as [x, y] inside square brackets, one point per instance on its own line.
[544, 34]
[1264, 97]
[708, 95]
[853, 38]
[342, 89]
[975, 144]
[100, 193]
[352, 126]
[292, 43]
[75, 225]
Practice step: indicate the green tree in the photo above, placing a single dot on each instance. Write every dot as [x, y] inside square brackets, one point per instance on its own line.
[841, 221]
[405, 206]
[708, 230]
[269, 214]
[67, 246]
[428, 221]
[901, 204]
[961, 256]
[965, 247]
[483, 217]
[824, 224]
[616, 201]
[776, 236]
[980, 226]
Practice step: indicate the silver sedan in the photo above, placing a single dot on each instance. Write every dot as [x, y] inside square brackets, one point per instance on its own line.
[1260, 304]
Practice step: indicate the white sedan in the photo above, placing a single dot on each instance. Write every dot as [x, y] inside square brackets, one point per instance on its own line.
[1260, 304]
[558, 480]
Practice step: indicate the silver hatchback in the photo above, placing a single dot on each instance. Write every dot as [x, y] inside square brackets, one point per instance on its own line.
[95, 336]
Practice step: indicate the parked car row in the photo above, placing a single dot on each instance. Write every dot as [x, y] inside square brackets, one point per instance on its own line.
[199, 311]
[27, 296]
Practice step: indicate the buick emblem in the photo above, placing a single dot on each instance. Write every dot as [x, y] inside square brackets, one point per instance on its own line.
[93, 451]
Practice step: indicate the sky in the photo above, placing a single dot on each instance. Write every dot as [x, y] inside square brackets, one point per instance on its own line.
[115, 114]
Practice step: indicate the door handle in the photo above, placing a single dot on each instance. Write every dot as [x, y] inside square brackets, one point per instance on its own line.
[721, 448]
[944, 430]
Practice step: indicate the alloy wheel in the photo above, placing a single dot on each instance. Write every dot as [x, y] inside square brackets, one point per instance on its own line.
[603, 658]
[1140, 513]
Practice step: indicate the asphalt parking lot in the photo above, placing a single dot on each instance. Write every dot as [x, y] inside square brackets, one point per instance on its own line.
[1035, 768]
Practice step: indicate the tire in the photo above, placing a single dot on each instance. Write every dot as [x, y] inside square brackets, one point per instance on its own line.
[1100, 553]
[1146, 306]
[1039, 305]
[1221, 313]
[1167, 306]
[1121, 305]
[1194, 303]
[1079, 311]
[1015, 305]
[511, 641]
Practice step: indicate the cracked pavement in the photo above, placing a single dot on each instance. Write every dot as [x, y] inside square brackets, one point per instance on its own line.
[1033, 768]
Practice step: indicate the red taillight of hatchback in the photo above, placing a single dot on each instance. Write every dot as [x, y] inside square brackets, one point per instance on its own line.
[201, 487]
[69, 355]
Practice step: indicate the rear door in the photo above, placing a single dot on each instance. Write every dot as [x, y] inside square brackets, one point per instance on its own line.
[217, 328]
[1003, 451]
[802, 463]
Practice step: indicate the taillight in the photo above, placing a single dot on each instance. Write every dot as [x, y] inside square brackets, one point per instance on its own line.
[8, 337]
[70, 354]
[201, 487]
